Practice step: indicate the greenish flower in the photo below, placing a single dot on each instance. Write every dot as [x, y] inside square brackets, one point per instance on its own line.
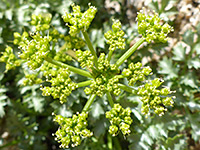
[120, 119]
[151, 28]
[72, 130]
[136, 72]
[61, 85]
[10, 59]
[79, 21]
[41, 21]
[115, 38]
[154, 98]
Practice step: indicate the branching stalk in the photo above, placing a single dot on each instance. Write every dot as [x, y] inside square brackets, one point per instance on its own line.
[71, 68]
[89, 103]
[110, 55]
[126, 88]
[89, 44]
[129, 52]
[110, 100]
[85, 83]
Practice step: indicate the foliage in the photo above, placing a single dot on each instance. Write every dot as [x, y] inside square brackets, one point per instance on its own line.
[184, 75]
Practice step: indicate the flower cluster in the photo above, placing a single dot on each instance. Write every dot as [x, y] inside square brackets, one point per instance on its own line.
[151, 28]
[79, 21]
[115, 38]
[55, 35]
[21, 39]
[119, 119]
[101, 85]
[105, 80]
[85, 58]
[105, 67]
[63, 58]
[74, 42]
[35, 50]
[72, 130]
[61, 85]
[49, 70]
[135, 72]
[41, 22]
[10, 59]
[32, 79]
[154, 98]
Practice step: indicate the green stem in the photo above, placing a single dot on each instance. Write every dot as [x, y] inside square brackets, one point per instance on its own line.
[85, 83]
[110, 144]
[110, 99]
[117, 143]
[126, 88]
[89, 103]
[120, 76]
[110, 55]
[129, 52]
[89, 44]
[71, 68]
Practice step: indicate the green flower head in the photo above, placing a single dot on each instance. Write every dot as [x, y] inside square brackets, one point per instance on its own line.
[151, 28]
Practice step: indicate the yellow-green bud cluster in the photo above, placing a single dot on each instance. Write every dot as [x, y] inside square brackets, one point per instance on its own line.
[101, 85]
[72, 130]
[49, 70]
[79, 21]
[135, 72]
[10, 59]
[55, 35]
[151, 28]
[21, 39]
[35, 50]
[32, 79]
[115, 38]
[154, 98]
[120, 119]
[62, 56]
[41, 22]
[104, 65]
[74, 42]
[61, 85]
[85, 58]
[105, 81]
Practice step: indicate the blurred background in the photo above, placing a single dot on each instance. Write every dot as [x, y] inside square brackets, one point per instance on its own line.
[26, 116]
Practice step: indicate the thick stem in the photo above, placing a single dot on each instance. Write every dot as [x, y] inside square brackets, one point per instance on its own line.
[89, 44]
[129, 52]
[110, 100]
[85, 83]
[71, 68]
[89, 103]
[120, 76]
[110, 144]
[117, 143]
[110, 55]
[126, 88]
